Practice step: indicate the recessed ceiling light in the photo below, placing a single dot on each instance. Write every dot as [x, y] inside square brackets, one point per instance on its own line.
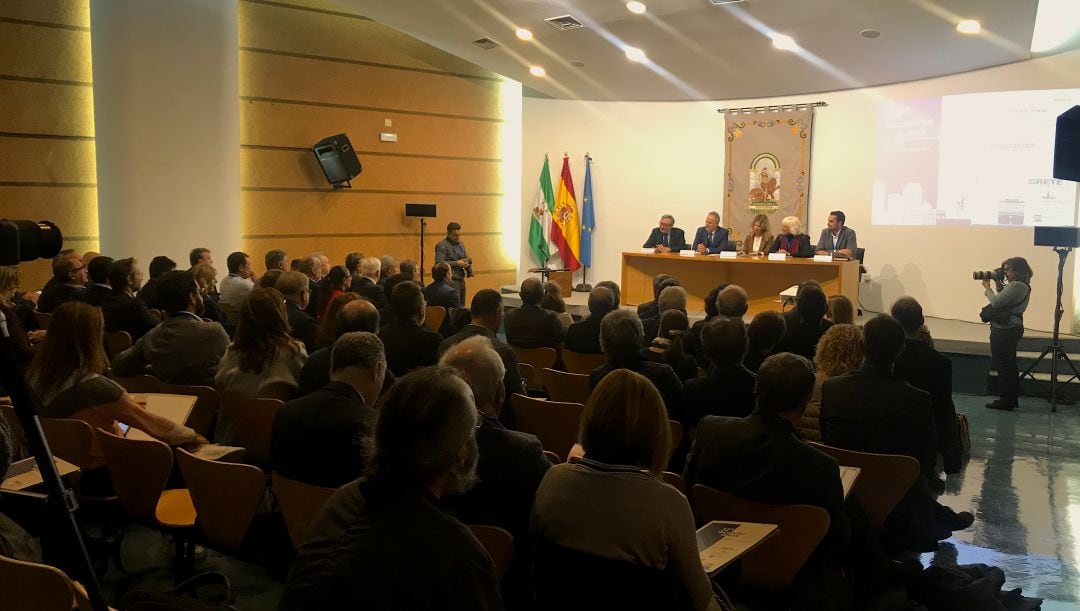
[636, 7]
[577, 63]
[635, 54]
[783, 42]
[969, 26]
[537, 71]
[869, 33]
[523, 34]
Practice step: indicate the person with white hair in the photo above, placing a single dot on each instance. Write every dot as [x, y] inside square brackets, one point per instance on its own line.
[712, 238]
[367, 284]
[792, 240]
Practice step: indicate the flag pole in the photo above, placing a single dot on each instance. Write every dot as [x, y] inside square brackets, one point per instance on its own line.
[584, 286]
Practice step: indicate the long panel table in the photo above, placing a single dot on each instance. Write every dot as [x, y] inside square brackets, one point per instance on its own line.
[763, 280]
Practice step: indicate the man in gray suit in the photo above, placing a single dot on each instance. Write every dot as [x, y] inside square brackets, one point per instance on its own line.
[184, 349]
[836, 239]
[452, 252]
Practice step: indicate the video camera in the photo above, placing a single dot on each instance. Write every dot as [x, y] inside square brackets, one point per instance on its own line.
[998, 275]
[28, 240]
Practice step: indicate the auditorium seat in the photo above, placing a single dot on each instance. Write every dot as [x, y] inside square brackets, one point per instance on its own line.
[577, 362]
[538, 358]
[204, 412]
[250, 422]
[40, 587]
[554, 424]
[434, 316]
[226, 497]
[116, 342]
[884, 479]
[300, 503]
[566, 387]
[499, 545]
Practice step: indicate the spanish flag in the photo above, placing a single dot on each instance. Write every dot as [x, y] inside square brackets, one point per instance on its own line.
[565, 226]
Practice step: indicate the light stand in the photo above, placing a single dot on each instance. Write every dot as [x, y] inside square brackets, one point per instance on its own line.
[424, 211]
[423, 225]
[1054, 349]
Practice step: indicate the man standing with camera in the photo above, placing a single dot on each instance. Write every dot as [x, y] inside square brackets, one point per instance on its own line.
[452, 251]
[1005, 313]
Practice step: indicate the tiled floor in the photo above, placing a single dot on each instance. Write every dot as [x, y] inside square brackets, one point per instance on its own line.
[1023, 485]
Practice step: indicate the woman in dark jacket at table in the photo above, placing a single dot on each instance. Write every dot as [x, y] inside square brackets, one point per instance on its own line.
[792, 240]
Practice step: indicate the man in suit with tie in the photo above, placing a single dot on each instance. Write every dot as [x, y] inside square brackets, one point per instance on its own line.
[667, 237]
[712, 238]
[836, 238]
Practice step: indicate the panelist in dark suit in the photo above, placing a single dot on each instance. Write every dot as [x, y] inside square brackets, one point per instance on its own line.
[792, 240]
[667, 237]
[712, 238]
[837, 238]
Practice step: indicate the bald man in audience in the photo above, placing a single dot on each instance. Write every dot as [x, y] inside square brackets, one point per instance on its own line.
[356, 316]
[511, 463]
[732, 302]
[531, 326]
[297, 291]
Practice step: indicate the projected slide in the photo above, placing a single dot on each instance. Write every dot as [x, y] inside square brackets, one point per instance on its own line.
[976, 159]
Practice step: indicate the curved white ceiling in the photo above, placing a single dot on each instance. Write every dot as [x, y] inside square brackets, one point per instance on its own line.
[698, 51]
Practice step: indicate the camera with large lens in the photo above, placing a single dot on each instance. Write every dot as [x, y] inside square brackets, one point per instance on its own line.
[998, 275]
[28, 240]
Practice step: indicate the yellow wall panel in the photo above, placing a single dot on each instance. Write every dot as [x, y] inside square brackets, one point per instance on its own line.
[292, 78]
[37, 160]
[277, 213]
[33, 51]
[269, 124]
[66, 12]
[299, 169]
[73, 209]
[44, 108]
[312, 33]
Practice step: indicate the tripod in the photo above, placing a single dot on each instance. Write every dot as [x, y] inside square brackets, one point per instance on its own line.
[1054, 349]
[423, 225]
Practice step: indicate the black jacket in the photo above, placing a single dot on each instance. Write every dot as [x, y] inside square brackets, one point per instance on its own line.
[662, 376]
[321, 439]
[723, 391]
[373, 292]
[443, 294]
[649, 309]
[929, 370]
[123, 312]
[96, 294]
[56, 294]
[676, 239]
[801, 336]
[803, 249]
[409, 345]
[584, 336]
[316, 373]
[531, 326]
[304, 327]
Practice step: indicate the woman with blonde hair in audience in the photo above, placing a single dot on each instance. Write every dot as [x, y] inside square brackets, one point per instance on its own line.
[760, 237]
[841, 311]
[68, 375]
[206, 279]
[668, 346]
[18, 313]
[792, 240]
[840, 350]
[263, 360]
[553, 301]
[328, 328]
[581, 507]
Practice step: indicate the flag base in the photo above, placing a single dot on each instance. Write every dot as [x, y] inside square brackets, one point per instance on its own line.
[583, 288]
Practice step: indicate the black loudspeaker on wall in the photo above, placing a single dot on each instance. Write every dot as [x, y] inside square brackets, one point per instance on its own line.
[338, 160]
[1067, 145]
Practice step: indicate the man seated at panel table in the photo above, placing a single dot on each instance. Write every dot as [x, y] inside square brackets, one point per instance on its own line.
[712, 238]
[837, 239]
[667, 237]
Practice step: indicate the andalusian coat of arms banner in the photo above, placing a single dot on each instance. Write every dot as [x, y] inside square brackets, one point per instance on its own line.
[766, 168]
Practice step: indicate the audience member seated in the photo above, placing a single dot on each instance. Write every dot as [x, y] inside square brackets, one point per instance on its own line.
[732, 302]
[615, 291]
[294, 286]
[872, 410]
[355, 316]
[840, 311]
[14, 312]
[510, 468]
[583, 506]
[531, 326]
[409, 344]
[98, 272]
[441, 292]
[276, 259]
[352, 263]
[367, 284]
[270, 278]
[792, 240]
[727, 388]
[765, 330]
[927, 369]
[328, 326]
[710, 315]
[388, 266]
[840, 350]
[486, 319]
[667, 346]
[322, 438]
[200, 255]
[206, 278]
[671, 298]
[159, 266]
[553, 302]
[650, 308]
[409, 271]
[336, 282]
[236, 286]
[69, 284]
[184, 348]
[122, 311]
[15, 542]
[805, 324]
[760, 458]
[384, 542]
[67, 253]
[263, 360]
[584, 335]
[68, 375]
[620, 338]
[311, 267]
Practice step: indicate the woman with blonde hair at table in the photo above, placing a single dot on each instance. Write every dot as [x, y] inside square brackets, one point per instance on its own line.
[759, 239]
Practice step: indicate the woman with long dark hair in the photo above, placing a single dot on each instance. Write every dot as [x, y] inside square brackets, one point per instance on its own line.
[668, 346]
[263, 360]
[1007, 327]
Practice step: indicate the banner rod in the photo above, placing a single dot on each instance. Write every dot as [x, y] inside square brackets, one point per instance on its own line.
[776, 108]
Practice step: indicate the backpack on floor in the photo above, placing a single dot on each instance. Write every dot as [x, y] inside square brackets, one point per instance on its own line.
[964, 432]
[209, 591]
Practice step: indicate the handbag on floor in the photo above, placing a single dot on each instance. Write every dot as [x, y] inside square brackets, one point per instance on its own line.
[209, 591]
[964, 433]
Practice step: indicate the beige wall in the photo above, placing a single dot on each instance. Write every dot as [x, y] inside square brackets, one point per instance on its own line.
[652, 158]
[47, 166]
[307, 71]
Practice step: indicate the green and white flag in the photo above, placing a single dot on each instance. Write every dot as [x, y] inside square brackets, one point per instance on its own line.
[545, 201]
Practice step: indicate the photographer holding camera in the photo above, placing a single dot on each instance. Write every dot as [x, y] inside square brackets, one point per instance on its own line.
[1005, 313]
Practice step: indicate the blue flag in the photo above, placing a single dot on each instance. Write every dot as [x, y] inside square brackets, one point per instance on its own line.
[588, 219]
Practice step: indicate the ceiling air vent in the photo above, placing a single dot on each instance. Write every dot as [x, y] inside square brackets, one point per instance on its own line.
[564, 23]
[722, 2]
[486, 43]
